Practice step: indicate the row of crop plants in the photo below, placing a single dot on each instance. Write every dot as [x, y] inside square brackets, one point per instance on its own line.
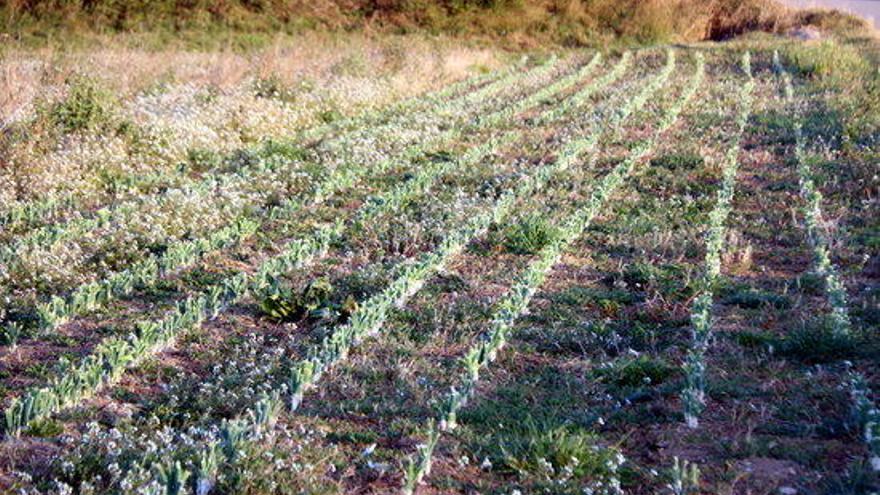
[693, 397]
[366, 321]
[866, 414]
[24, 214]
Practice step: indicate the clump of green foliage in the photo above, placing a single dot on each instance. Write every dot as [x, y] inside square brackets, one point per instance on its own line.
[637, 372]
[543, 452]
[842, 68]
[315, 301]
[87, 106]
[528, 235]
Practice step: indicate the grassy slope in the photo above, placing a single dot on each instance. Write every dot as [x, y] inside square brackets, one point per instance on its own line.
[519, 23]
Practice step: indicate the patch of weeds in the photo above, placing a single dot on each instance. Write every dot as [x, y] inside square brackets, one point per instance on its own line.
[447, 282]
[202, 279]
[315, 301]
[828, 61]
[284, 150]
[44, 428]
[272, 86]
[668, 279]
[751, 298]
[811, 283]
[356, 437]
[62, 340]
[734, 388]
[527, 236]
[817, 342]
[753, 340]
[678, 161]
[87, 106]
[579, 295]
[39, 370]
[330, 115]
[561, 454]
[202, 159]
[774, 127]
[636, 372]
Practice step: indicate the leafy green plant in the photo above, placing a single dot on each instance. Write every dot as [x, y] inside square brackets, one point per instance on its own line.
[528, 235]
[637, 372]
[86, 106]
[540, 451]
[314, 301]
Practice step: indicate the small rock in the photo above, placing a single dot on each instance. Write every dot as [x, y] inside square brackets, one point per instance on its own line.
[787, 490]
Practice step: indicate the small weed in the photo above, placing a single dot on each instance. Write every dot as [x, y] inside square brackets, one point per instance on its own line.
[527, 236]
[751, 298]
[678, 161]
[330, 115]
[44, 428]
[818, 343]
[636, 372]
[200, 159]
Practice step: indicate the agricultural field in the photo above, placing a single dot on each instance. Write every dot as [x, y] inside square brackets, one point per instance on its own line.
[427, 269]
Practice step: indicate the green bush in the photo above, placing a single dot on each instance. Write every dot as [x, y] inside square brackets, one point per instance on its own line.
[86, 107]
[529, 235]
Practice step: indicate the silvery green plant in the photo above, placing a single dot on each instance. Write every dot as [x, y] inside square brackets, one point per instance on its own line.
[517, 299]
[693, 396]
[685, 478]
[112, 357]
[835, 291]
[543, 95]
[866, 416]
[638, 101]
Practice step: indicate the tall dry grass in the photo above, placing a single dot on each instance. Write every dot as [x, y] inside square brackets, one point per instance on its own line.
[28, 77]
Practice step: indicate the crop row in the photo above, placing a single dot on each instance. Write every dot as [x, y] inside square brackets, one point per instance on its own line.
[265, 159]
[512, 305]
[693, 396]
[835, 291]
[867, 417]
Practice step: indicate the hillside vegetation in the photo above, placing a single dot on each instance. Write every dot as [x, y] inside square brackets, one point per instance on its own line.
[520, 23]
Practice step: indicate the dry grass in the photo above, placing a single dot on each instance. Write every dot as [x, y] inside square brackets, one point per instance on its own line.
[412, 65]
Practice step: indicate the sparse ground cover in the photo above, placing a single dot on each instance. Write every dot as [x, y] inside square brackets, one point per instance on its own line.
[646, 271]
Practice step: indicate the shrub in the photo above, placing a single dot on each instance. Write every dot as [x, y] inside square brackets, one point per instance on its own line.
[87, 106]
[528, 235]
